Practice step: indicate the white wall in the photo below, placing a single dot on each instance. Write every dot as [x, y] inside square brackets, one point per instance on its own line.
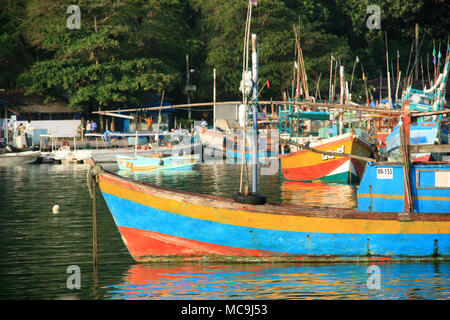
[56, 127]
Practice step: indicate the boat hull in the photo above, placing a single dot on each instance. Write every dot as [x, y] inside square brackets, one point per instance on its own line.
[382, 188]
[156, 164]
[110, 155]
[423, 133]
[19, 158]
[159, 224]
[305, 165]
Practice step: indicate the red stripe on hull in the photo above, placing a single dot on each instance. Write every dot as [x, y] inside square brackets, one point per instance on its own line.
[313, 172]
[143, 243]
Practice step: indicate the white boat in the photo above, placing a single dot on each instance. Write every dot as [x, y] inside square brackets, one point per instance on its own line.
[18, 158]
[166, 144]
[213, 139]
[139, 163]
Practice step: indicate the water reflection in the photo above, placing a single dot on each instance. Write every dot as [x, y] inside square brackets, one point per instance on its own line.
[280, 281]
[216, 179]
[37, 246]
[319, 194]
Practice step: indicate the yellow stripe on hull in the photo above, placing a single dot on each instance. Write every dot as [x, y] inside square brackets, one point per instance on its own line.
[349, 145]
[277, 221]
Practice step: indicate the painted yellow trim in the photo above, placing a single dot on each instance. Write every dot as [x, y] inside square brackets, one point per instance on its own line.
[401, 197]
[278, 222]
[309, 158]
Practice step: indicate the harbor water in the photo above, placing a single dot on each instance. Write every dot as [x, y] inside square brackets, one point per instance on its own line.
[42, 251]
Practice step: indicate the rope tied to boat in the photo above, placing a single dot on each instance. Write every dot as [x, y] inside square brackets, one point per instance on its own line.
[92, 177]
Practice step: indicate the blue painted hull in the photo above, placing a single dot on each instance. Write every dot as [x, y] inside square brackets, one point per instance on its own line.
[430, 186]
[132, 215]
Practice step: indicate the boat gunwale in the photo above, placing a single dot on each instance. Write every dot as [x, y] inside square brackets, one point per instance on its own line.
[353, 138]
[268, 208]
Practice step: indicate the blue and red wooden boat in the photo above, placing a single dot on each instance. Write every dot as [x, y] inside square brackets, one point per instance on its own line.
[161, 224]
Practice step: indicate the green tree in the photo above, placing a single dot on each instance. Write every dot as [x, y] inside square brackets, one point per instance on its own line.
[122, 52]
[15, 55]
[223, 25]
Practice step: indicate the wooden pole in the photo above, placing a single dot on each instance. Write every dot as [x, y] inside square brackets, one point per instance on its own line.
[365, 85]
[341, 98]
[421, 68]
[416, 63]
[94, 227]
[353, 72]
[331, 76]
[398, 72]
[214, 98]
[407, 68]
[398, 84]
[334, 81]
[381, 82]
[388, 73]
[405, 140]
[317, 87]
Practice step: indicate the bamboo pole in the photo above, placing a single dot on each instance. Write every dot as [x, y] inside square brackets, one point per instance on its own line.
[407, 68]
[404, 143]
[94, 228]
[388, 73]
[317, 87]
[398, 84]
[330, 90]
[416, 60]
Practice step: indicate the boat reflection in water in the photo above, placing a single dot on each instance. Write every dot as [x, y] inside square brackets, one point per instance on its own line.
[319, 194]
[279, 281]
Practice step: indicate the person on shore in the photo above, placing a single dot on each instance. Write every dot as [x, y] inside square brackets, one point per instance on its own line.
[10, 128]
[204, 123]
[88, 126]
[93, 126]
[149, 122]
[21, 129]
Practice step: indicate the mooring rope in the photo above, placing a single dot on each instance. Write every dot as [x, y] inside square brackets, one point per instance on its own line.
[92, 177]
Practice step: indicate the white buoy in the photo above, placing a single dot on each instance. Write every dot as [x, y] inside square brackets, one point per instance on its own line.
[55, 208]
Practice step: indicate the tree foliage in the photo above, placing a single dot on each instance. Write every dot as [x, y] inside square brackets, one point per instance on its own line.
[126, 50]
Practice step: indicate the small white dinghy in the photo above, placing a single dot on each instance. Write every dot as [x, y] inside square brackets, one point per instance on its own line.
[18, 158]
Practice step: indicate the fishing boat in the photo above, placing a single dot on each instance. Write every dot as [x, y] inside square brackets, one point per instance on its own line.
[307, 165]
[18, 158]
[426, 130]
[162, 224]
[145, 144]
[156, 163]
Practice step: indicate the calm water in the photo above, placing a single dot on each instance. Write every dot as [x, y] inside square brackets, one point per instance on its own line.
[37, 247]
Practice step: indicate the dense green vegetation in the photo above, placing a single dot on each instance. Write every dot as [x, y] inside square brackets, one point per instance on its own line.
[125, 52]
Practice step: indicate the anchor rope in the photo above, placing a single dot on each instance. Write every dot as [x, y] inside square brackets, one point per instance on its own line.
[92, 177]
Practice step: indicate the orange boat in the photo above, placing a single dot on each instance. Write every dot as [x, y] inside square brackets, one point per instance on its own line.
[306, 165]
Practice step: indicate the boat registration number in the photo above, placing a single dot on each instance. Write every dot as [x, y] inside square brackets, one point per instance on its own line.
[385, 173]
